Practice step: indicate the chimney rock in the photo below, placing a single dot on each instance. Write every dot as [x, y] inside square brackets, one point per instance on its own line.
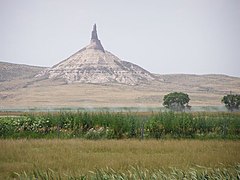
[95, 43]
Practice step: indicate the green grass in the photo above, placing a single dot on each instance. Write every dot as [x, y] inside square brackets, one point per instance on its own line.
[54, 145]
[196, 172]
[105, 125]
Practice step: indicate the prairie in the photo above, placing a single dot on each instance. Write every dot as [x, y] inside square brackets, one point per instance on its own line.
[204, 90]
[77, 156]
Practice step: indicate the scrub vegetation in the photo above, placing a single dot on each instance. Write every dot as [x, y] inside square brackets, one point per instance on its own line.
[104, 125]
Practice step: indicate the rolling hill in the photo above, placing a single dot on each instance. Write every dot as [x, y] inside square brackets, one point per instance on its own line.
[10, 71]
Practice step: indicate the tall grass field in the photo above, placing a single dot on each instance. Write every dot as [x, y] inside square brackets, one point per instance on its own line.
[104, 125]
[104, 145]
[131, 159]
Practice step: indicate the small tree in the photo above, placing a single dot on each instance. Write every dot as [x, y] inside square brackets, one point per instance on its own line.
[176, 101]
[231, 101]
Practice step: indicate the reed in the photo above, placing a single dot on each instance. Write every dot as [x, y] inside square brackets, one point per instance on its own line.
[196, 172]
[105, 125]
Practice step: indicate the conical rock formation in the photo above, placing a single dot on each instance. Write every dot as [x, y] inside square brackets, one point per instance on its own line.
[93, 64]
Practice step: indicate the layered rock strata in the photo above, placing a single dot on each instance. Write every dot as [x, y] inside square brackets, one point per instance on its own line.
[93, 64]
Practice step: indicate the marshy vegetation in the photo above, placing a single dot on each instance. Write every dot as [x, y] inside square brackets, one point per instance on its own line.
[63, 145]
[105, 125]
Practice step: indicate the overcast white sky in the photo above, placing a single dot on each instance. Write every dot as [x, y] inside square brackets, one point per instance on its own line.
[162, 36]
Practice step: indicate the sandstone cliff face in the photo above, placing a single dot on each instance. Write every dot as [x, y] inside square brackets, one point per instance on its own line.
[93, 64]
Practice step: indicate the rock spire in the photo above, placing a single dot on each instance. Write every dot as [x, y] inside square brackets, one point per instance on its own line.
[95, 43]
[92, 64]
[94, 33]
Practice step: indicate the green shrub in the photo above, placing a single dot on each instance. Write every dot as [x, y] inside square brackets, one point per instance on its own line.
[120, 125]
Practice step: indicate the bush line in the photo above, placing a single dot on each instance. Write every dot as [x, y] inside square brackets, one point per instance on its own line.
[105, 125]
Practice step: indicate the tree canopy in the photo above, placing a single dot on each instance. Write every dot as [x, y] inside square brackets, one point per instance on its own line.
[176, 101]
[231, 101]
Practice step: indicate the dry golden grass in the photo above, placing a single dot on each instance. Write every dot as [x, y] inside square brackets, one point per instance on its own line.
[203, 90]
[80, 156]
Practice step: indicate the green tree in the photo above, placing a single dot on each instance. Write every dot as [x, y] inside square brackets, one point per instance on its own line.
[176, 101]
[231, 101]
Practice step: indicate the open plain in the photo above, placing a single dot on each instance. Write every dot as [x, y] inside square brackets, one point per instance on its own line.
[204, 90]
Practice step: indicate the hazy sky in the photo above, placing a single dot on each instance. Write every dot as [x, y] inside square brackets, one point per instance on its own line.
[162, 36]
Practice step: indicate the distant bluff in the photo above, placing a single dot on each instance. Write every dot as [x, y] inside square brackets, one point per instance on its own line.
[93, 64]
